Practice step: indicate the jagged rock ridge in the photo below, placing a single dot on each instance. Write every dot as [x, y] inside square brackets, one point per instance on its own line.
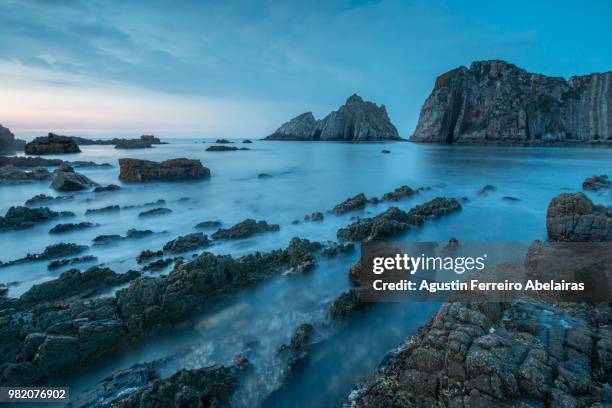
[356, 120]
[498, 102]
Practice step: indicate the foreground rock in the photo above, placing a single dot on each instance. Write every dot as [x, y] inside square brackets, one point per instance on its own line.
[139, 171]
[56, 338]
[355, 121]
[24, 217]
[52, 144]
[597, 183]
[498, 355]
[66, 179]
[574, 217]
[245, 229]
[395, 221]
[497, 102]
[13, 175]
[8, 141]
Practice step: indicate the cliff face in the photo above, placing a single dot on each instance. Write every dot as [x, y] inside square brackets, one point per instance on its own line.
[8, 141]
[497, 102]
[356, 120]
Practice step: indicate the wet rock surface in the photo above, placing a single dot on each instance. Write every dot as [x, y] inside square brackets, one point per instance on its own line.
[24, 217]
[52, 144]
[356, 120]
[187, 243]
[245, 229]
[497, 102]
[66, 179]
[574, 217]
[139, 171]
[43, 339]
[595, 183]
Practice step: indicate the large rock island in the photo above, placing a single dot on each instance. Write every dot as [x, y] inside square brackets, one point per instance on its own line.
[355, 121]
[498, 102]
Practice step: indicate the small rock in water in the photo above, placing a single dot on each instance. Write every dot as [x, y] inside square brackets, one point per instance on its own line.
[510, 198]
[71, 261]
[155, 211]
[45, 199]
[385, 151]
[108, 208]
[264, 175]
[595, 183]
[140, 171]
[148, 254]
[247, 141]
[486, 190]
[245, 229]
[61, 228]
[350, 204]
[24, 217]
[224, 148]
[315, 216]
[66, 179]
[187, 242]
[208, 224]
[222, 141]
[110, 187]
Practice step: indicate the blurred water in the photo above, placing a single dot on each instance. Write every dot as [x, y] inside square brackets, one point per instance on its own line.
[307, 177]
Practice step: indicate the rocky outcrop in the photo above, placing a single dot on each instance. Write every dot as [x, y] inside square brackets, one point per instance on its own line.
[187, 242]
[13, 175]
[497, 102]
[23, 217]
[54, 251]
[144, 139]
[355, 121]
[139, 171]
[245, 229]
[496, 354]
[574, 217]
[66, 179]
[52, 144]
[154, 212]
[39, 199]
[596, 183]
[224, 148]
[8, 141]
[350, 204]
[133, 144]
[69, 227]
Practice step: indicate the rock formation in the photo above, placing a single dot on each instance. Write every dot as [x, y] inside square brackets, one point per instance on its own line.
[139, 171]
[355, 121]
[52, 144]
[8, 141]
[573, 217]
[497, 102]
[66, 179]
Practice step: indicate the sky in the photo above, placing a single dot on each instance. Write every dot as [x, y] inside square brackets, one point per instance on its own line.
[242, 68]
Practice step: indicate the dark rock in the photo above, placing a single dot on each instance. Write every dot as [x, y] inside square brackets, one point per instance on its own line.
[510, 198]
[151, 139]
[71, 261]
[350, 204]
[45, 199]
[51, 252]
[296, 353]
[486, 190]
[8, 141]
[66, 179]
[13, 175]
[67, 227]
[131, 234]
[220, 141]
[245, 229]
[110, 187]
[158, 265]
[246, 141]
[161, 201]
[139, 171]
[144, 139]
[395, 221]
[315, 216]
[399, 193]
[187, 242]
[24, 161]
[347, 305]
[356, 120]
[108, 208]
[155, 211]
[497, 102]
[334, 248]
[597, 183]
[264, 176]
[24, 217]
[224, 148]
[73, 282]
[208, 224]
[573, 217]
[52, 144]
[133, 144]
[385, 151]
[148, 254]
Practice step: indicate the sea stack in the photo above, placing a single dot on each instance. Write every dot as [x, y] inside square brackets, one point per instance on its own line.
[498, 102]
[355, 121]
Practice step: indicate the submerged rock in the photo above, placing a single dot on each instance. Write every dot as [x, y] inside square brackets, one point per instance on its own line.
[139, 171]
[107, 209]
[13, 175]
[315, 216]
[597, 183]
[385, 151]
[52, 144]
[24, 217]
[66, 179]
[71, 261]
[350, 204]
[155, 211]
[110, 187]
[497, 102]
[187, 242]
[245, 229]
[44, 199]
[356, 120]
[67, 227]
[264, 176]
[574, 217]
[484, 191]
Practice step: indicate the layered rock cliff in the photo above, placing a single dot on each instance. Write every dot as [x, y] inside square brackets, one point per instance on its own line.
[355, 121]
[497, 102]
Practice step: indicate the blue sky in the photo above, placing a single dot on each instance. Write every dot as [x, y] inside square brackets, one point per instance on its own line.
[241, 68]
